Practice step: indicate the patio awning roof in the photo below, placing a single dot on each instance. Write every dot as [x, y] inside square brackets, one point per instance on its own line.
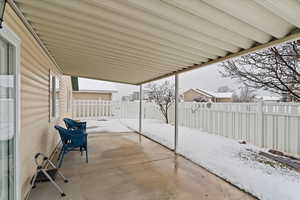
[135, 41]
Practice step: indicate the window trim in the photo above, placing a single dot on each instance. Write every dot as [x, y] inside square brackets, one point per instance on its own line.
[11, 37]
[54, 87]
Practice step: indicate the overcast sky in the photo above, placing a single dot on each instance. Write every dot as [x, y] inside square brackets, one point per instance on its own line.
[207, 78]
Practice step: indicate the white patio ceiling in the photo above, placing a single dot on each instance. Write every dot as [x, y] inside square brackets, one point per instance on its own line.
[134, 41]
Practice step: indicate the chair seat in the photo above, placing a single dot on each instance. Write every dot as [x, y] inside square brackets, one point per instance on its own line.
[72, 139]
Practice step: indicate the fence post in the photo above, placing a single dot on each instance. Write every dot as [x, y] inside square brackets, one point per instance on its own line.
[260, 124]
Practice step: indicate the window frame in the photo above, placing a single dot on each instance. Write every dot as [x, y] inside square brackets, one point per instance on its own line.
[15, 42]
[54, 96]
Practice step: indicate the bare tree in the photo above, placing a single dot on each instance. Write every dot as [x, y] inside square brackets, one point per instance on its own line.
[276, 69]
[246, 95]
[162, 95]
[224, 88]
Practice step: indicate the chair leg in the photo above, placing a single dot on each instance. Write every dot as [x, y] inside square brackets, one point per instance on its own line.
[86, 155]
[60, 154]
[32, 184]
[58, 171]
[61, 159]
[53, 182]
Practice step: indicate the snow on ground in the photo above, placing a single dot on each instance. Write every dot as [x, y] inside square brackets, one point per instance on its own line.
[106, 126]
[240, 164]
[154, 129]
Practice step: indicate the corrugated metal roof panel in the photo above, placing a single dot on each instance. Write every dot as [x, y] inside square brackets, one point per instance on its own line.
[135, 41]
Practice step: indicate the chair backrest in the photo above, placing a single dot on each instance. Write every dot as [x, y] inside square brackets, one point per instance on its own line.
[63, 133]
[70, 123]
[71, 138]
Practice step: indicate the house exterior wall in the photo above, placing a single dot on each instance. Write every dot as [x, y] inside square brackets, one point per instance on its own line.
[36, 131]
[92, 96]
[223, 100]
[190, 95]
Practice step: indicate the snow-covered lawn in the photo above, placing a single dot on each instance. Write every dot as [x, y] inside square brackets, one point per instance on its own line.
[154, 129]
[240, 164]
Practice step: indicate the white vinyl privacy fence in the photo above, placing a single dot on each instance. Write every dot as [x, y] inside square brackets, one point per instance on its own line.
[92, 109]
[270, 125]
[102, 109]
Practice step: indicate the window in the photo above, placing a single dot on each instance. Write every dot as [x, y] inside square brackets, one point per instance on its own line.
[7, 121]
[69, 99]
[55, 97]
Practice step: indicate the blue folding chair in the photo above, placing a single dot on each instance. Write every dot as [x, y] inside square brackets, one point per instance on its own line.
[72, 140]
[72, 124]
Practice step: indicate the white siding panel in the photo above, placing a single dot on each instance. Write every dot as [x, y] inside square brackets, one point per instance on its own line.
[37, 134]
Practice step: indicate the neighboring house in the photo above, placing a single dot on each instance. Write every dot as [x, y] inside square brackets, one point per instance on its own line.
[205, 96]
[135, 96]
[271, 99]
[90, 89]
[125, 98]
[286, 97]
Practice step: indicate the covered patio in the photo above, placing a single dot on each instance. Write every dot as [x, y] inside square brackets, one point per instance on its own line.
[130, 166]
[133, 42]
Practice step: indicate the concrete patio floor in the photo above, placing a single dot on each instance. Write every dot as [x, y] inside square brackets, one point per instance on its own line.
[128, 166]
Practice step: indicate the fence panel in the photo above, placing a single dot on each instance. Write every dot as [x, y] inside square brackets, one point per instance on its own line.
[92, 109]
[270, 125]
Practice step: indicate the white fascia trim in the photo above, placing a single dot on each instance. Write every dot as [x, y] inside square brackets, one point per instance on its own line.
[199, 91]
[96, 91]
